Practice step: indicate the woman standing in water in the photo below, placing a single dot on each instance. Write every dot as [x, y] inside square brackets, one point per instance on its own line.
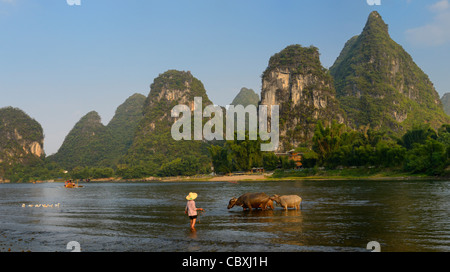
[191, 210]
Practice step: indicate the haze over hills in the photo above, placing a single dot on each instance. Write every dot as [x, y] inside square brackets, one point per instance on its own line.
[379, 85]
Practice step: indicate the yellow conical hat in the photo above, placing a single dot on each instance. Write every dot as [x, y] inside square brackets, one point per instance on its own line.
[191, 196]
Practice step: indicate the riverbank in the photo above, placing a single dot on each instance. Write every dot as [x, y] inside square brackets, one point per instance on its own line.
[305, 174]
[298, 174]
[363, 173]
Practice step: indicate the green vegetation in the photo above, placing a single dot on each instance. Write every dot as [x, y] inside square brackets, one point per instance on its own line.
[343, 173]
[15, 121]
[154, 152]
[82, 146]
[338, 145]
[299, 59]
[393, 124]
[246, 97]
[91, 144]
[243, 155]
[37, 170]
[427, 151]
[379, 85]
[21, 140]
[91, 172]
[122, 128]
[296, 81]
[340, 150]
[237, 155]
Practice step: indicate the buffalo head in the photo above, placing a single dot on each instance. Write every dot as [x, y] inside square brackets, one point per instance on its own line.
[232, 202]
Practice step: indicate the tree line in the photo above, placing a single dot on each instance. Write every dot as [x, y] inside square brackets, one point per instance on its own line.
[421, 150]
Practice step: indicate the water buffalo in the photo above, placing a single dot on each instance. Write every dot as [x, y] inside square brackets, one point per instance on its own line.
[251, 200]
[288, 201]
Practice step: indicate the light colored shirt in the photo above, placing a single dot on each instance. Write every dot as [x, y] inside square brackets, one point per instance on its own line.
[190, 208]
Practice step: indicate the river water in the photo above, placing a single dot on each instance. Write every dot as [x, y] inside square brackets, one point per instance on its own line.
[149, 217]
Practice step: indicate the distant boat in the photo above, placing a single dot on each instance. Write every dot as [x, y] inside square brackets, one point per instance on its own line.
[71, 184]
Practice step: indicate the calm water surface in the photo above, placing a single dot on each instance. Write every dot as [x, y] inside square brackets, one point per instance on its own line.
[149, 217]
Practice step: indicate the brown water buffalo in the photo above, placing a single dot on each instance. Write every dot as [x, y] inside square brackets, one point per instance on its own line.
[288, 201]
[251, 200]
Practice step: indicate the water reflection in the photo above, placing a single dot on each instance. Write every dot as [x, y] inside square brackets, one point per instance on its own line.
[193, 232]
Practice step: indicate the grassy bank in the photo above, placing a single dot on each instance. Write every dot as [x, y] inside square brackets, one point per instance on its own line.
[348, 173]
[362, 173]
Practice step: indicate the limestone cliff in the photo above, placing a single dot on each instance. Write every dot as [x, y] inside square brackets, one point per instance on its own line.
[446, 103]
[21, 137]
[168, 90]
[296, 81]
[154, 151]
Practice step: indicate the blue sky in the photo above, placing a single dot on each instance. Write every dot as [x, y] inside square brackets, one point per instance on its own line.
[58, 62]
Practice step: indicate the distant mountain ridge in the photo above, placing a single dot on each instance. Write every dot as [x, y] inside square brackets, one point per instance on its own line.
[90, 143]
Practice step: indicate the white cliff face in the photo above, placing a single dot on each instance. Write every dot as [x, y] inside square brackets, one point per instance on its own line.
[36, 149]
[33, 148]
[278, 80]
[304, 97]
[174, 95]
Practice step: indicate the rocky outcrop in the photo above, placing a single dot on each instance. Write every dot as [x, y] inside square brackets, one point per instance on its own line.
[36, 149]
[296, 81]
[168, 90]
[154, 151]
[21, 137]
